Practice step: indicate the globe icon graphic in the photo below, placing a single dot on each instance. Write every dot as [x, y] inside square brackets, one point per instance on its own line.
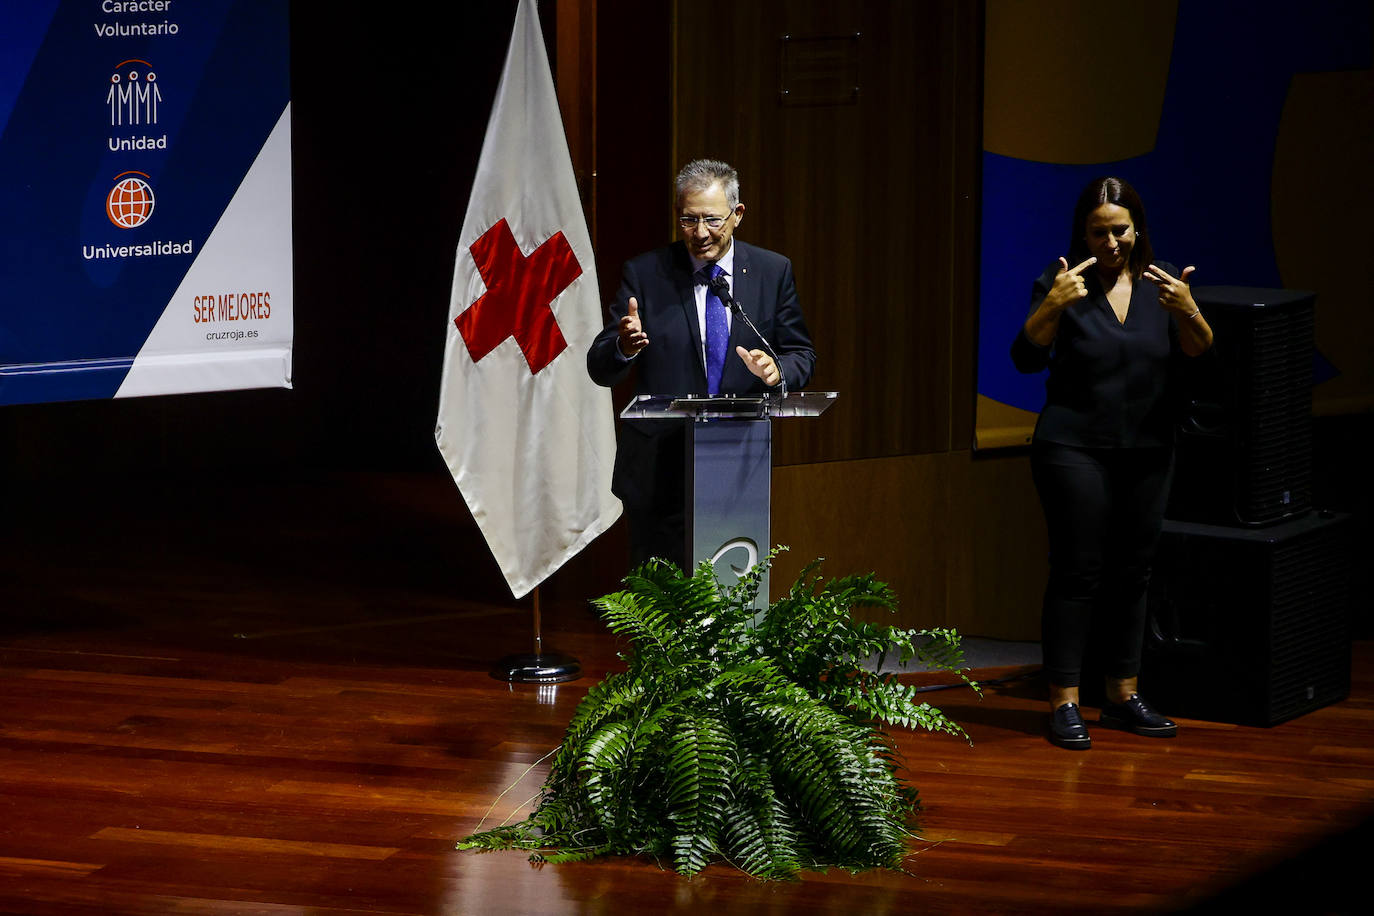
[129, 203]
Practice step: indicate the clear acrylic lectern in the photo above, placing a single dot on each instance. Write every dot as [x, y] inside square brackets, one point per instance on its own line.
[729, 465]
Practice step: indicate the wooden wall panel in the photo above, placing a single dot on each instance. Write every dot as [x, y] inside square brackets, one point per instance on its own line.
[958, 536]
[575, 79]
[632, 173]
[1007, 550]
[875, 201]
[876, 515]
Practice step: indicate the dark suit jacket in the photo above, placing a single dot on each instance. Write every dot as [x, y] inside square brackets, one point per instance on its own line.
[649, 454]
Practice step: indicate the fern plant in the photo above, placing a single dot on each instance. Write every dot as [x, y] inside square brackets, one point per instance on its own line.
[759, 741]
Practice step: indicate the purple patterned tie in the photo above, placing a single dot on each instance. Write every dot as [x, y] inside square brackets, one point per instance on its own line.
[717, 331]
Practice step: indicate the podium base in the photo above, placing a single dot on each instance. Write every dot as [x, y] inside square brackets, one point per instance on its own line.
[544, 668]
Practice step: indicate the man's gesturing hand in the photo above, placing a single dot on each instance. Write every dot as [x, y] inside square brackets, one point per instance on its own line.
[761, 364]
[632, 336]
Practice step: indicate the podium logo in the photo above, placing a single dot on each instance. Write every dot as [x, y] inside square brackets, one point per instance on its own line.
[130, 201]
[751, 555]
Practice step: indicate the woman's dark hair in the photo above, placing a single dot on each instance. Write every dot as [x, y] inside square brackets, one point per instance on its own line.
[1111, 191]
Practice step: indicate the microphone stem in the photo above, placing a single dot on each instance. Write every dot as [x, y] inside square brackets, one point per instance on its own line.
[722, 289]
[782, 378]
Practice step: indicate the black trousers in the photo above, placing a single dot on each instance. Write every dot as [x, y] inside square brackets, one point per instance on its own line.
[656, 511]
[1104, 509]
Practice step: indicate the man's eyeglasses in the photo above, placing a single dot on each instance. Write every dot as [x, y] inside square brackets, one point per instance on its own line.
[712, 222]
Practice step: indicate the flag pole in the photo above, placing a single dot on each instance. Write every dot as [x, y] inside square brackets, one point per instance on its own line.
[538, 667]
[538, 625]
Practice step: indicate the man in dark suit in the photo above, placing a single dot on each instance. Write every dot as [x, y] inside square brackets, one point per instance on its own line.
[666, 327]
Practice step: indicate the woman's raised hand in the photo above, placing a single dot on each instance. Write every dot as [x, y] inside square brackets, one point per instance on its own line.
[1068, 285]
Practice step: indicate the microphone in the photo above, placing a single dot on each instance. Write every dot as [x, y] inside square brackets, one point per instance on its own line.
[721, 287]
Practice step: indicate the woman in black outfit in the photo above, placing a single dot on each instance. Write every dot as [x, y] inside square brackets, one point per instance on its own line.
[1109, 327]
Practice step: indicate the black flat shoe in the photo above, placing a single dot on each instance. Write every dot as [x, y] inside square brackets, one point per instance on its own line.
[1135, 715]
[1067, 729]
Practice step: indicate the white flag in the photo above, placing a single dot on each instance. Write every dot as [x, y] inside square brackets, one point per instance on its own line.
[529, 438]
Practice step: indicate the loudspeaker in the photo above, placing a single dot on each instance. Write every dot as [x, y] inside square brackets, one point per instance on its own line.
[1245, 440]
[1250, 625]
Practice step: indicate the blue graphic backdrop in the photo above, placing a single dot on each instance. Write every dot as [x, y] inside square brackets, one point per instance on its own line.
[70, 327]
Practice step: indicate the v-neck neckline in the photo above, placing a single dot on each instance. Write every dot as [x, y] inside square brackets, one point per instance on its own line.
[1126, 316]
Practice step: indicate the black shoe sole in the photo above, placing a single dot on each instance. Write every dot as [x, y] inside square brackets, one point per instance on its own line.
[1071, 744]
[1146, 731]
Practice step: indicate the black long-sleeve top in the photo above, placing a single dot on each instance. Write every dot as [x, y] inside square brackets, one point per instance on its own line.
[1111, 384]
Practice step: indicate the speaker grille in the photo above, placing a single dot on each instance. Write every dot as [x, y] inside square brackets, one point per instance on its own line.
[1309, 638]
[1275, 418]
[1250, 625]
[1245, 438]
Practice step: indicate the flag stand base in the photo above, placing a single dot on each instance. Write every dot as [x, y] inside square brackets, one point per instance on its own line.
[544, 668]
[537, 667]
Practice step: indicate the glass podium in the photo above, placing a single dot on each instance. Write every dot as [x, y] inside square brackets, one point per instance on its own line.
[729, 463]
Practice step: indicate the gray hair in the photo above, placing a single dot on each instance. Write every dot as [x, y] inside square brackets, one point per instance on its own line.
[700, 174]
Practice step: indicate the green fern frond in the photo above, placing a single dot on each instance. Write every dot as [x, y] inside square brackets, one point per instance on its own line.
[831, 778]
[745, 592]
[699, 764]
[759, 840]
[606, 767]
[646, 619]
[615, 696]
[759, 834]
[564, 856]
[896, 704]
[517, 836]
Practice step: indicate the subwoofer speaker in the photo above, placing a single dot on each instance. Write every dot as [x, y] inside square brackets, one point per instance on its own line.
[1245, 442]
[1250, 625]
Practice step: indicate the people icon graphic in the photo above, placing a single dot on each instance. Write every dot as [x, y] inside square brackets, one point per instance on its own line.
[134, 94]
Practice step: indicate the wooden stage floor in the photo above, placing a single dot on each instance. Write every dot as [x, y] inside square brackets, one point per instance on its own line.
[213, 702]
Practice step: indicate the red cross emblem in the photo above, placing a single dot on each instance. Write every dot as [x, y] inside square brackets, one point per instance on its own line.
[520, 291]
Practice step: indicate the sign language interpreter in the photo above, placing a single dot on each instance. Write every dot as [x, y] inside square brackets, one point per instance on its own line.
[1110, 329]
